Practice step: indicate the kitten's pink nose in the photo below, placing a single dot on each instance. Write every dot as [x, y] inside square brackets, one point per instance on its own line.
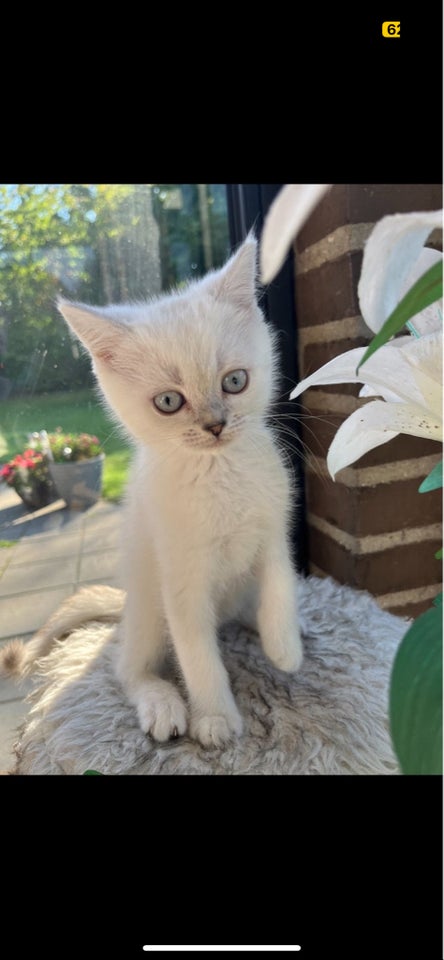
[215, 428]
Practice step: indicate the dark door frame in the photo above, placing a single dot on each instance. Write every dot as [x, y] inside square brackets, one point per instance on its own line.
[248, 204]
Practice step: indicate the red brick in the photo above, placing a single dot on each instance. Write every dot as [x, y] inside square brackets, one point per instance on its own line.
[366, 203]
[398, 568]
[384, 508]
[410, 610]
[329, 292]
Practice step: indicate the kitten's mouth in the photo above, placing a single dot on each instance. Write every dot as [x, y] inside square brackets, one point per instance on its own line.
[217, 442]
[220, 441]
[211, 443]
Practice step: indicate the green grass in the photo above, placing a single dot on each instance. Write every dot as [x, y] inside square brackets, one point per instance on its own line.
[79, 411]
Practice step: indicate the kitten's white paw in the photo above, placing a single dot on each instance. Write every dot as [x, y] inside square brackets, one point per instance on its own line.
[218, 730]
[285, 653]
[162, 712]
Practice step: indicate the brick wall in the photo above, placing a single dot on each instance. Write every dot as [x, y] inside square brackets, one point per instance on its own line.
[371, 528]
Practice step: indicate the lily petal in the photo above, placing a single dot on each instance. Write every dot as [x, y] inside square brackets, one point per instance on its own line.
[430, 319]
[374, 424]
[342, 369]
[424, 357]
[407, 369]
[391, 249]
[287, 214]
[368, 391]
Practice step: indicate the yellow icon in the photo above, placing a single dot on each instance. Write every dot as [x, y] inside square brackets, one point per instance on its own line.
[391, 28]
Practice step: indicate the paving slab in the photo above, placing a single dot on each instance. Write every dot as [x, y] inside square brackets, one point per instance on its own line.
[40, 549]
[20, 578]
[17, 522]
[104, 537]
[99, 566]
[26, 612]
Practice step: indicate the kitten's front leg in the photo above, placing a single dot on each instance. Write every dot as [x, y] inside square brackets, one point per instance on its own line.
[215, 718]
[278, 611]
[160, 708]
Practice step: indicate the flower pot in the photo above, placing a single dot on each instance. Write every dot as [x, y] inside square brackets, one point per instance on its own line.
[37, 494]
[78, 483]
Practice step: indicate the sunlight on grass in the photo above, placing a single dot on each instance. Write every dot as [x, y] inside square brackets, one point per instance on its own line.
[115, 472]
[79, 411]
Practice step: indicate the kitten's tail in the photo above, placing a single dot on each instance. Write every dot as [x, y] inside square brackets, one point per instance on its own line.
[18, 659]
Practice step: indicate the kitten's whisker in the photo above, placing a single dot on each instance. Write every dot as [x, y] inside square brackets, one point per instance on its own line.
[284, 447]
[298, 418]
[306, 454]
[117, 432]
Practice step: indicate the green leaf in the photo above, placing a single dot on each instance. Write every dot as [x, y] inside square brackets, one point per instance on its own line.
[438, 554]
[433, 480]
[92, 773]
[416, 696]
[424, 292]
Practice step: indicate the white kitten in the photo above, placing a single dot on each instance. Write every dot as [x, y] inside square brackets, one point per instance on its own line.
[191, 376]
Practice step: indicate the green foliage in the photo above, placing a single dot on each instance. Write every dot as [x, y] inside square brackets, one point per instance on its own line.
[43, 242]
[71, 447]
[424, 292]
[416, 696]
[95, 242]
[187, 247]
[5, 544]
[433, 481]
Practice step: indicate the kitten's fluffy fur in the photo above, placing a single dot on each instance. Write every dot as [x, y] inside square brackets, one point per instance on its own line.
[207, 513]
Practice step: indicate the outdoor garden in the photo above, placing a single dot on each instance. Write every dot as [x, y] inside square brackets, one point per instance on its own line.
[98, 243]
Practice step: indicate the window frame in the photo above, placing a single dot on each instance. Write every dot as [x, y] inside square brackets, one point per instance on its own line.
[248, 205]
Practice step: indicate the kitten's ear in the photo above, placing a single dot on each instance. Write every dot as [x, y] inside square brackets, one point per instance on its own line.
[99, 335]
[236, 281]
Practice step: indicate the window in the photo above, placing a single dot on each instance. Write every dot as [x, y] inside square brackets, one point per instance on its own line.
[100, 243]
[104, 243]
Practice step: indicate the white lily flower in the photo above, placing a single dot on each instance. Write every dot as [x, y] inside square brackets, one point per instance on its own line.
[406, 372]
[407, 375]
[394, 258]
[287, 214]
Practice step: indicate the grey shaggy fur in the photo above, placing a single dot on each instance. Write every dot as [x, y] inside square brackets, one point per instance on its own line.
[330, 718]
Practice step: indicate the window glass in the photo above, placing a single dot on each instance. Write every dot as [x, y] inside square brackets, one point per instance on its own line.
[100, 243]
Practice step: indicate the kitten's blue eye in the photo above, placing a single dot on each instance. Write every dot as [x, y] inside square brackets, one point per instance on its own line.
[235, 382]
[169, 402]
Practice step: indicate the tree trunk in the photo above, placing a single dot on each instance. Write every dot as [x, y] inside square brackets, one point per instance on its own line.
[104, 268]
[205, 224]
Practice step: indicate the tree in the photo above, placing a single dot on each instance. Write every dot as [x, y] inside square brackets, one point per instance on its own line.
[100, 243]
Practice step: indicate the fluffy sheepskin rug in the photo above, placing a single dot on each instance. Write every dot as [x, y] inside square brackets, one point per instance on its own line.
[330, 718]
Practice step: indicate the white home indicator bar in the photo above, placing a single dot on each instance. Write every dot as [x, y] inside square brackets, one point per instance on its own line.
[147, 948]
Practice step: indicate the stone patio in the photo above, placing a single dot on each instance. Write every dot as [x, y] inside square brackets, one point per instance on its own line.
[46, 555]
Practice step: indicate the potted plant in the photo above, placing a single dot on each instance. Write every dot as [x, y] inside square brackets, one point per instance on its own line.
[75, 464]
[28, 474]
